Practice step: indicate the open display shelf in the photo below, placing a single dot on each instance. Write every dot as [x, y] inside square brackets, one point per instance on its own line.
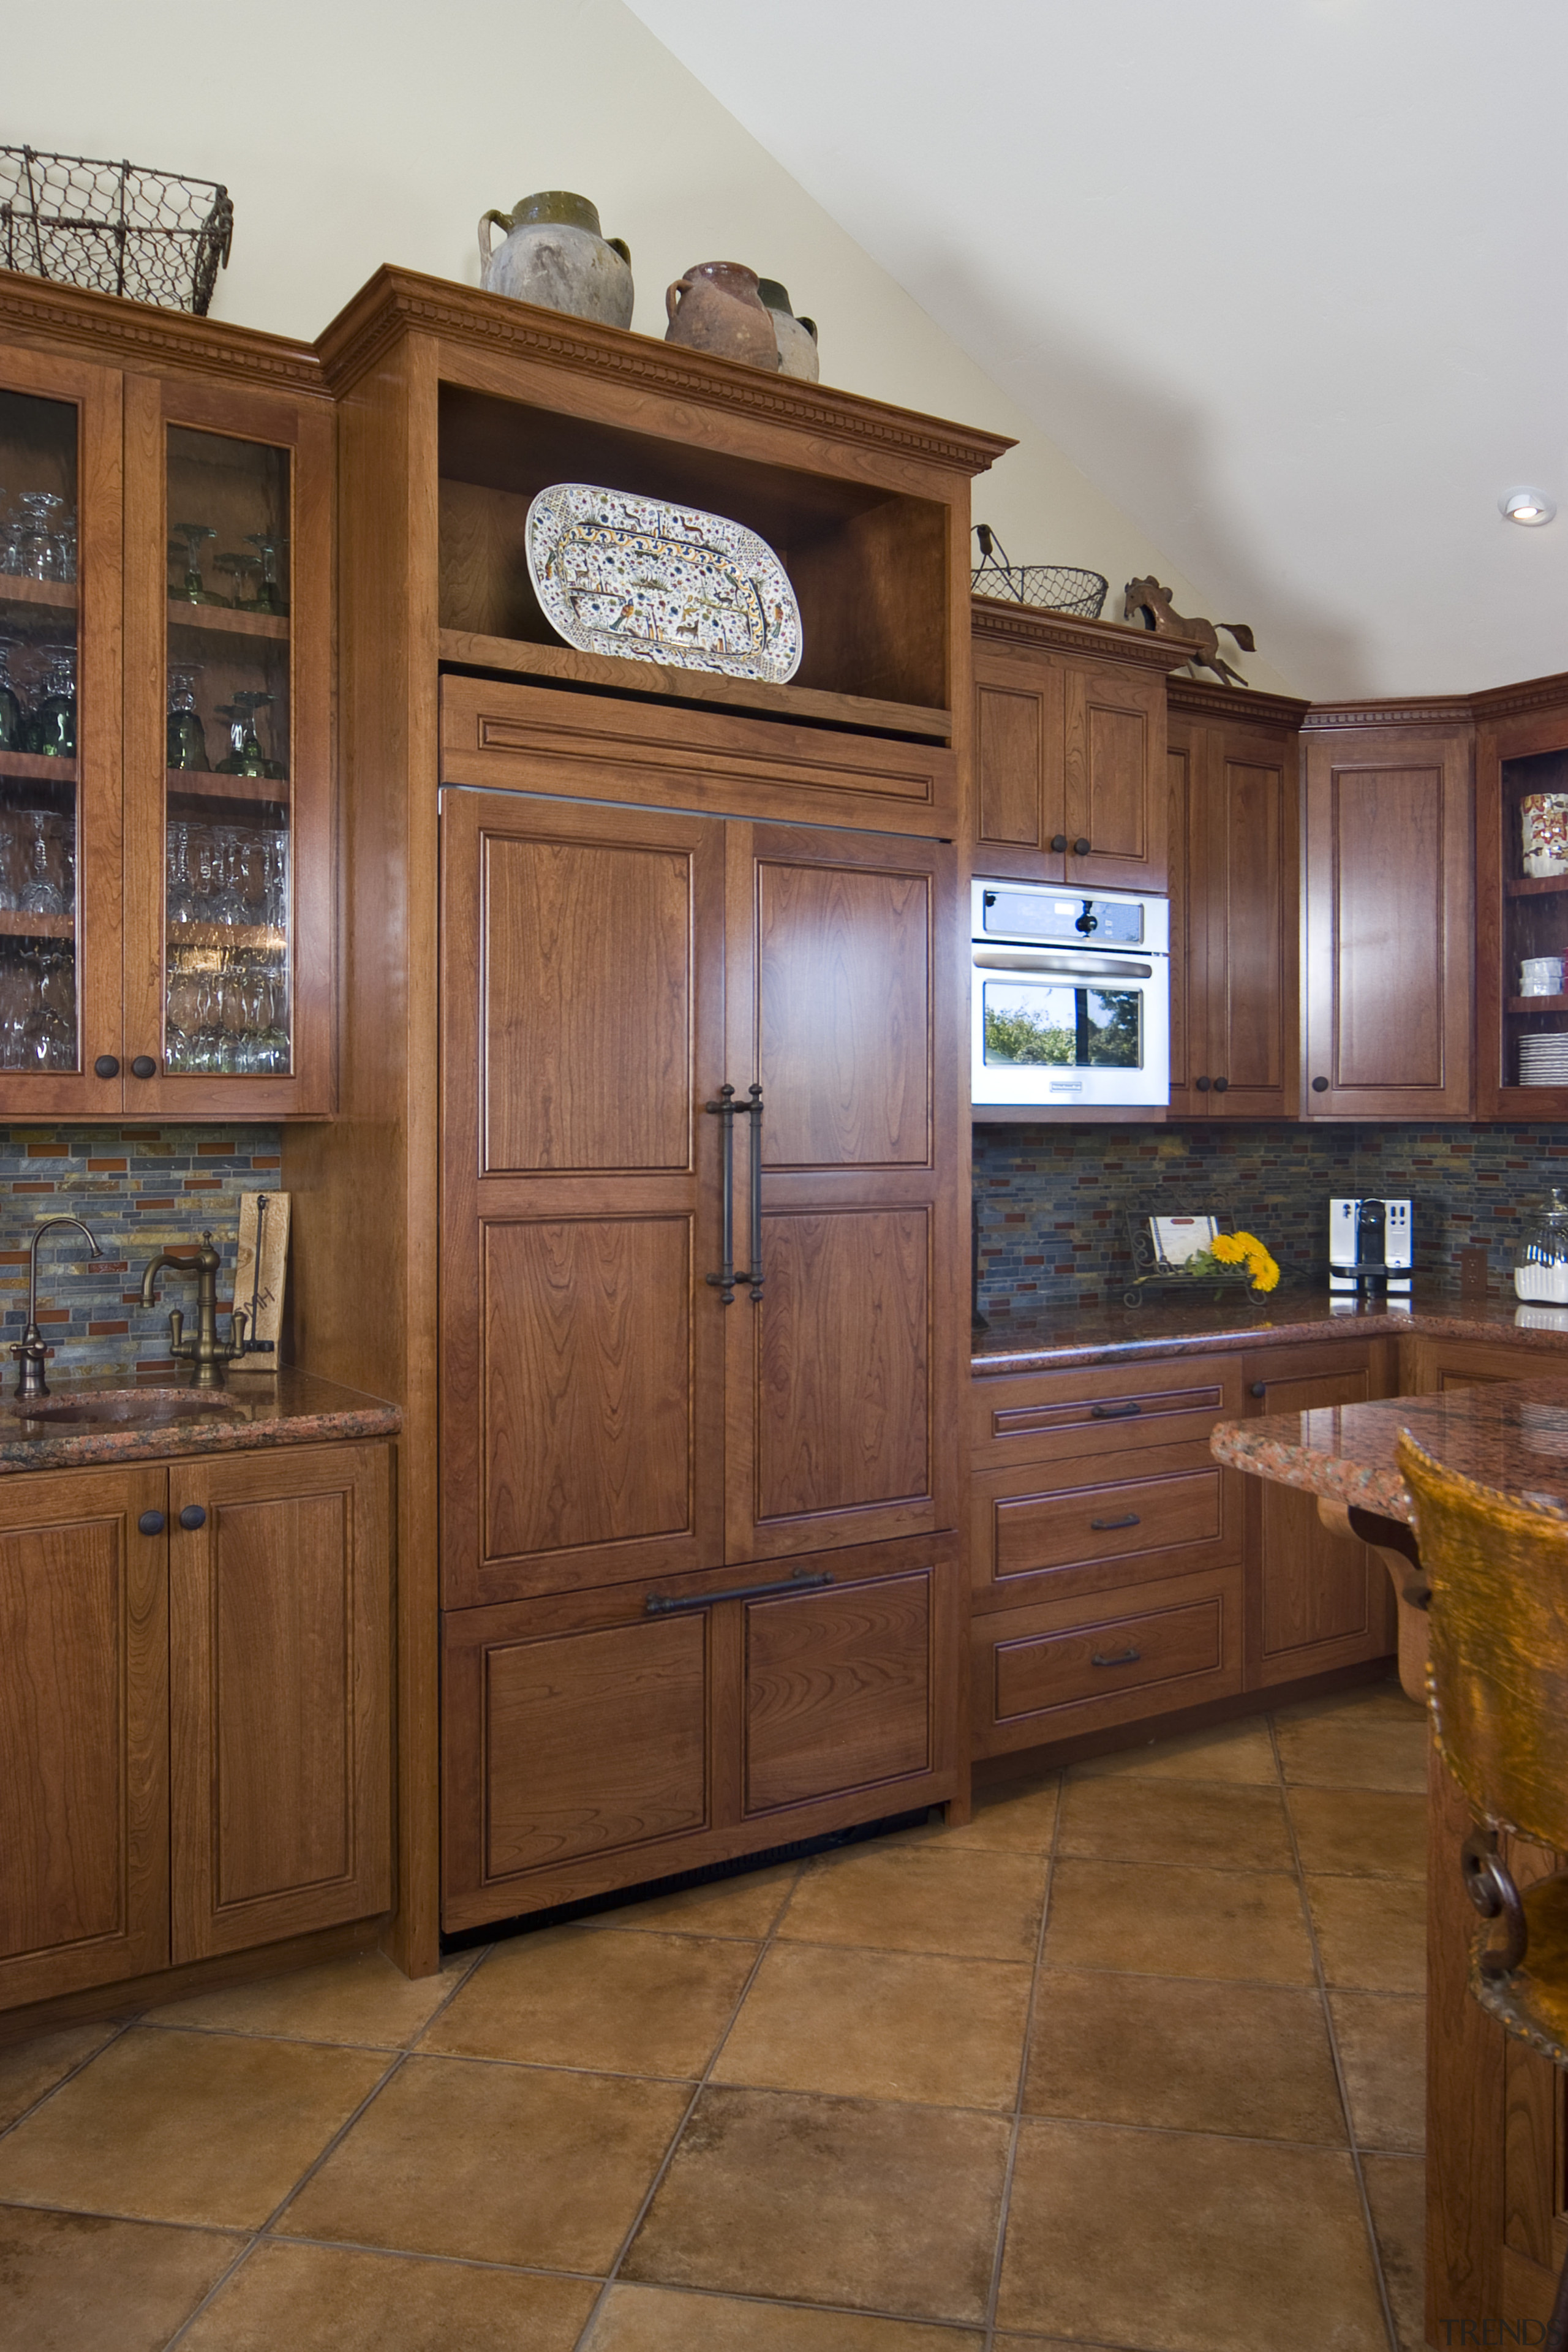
[1522, 749]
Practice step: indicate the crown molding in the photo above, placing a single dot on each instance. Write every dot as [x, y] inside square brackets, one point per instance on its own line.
[1518, 700]
[1403, 710]
[111, 328]
[1201, 699]
[994, 622]
[398, 302]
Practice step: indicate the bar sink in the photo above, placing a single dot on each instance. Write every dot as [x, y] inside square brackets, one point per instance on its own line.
[123, 1408]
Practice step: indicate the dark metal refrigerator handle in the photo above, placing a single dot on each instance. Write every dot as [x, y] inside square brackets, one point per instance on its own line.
[658, 1605]
[724, 1280]
[754, 1113]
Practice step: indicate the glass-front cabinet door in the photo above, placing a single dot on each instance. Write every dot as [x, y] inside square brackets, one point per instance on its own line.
[61, 528]
[228, 863]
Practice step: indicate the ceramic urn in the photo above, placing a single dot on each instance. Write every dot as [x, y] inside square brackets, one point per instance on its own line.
[716, 307]
[552, 253]
[796, 338]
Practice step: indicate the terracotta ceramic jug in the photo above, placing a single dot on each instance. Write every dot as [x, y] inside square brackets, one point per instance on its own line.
[716, 308]
[554, 255]
[796, 337]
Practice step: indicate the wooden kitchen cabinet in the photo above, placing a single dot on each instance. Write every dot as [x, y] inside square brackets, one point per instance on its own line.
[166, 828]
[194, 1710]
[1389, 934]
[1069, 749]
[1234, 764]
[1316, 1600]
[1521, 748]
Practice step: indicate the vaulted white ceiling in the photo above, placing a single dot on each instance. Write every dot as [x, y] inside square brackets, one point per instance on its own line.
[1287, 278]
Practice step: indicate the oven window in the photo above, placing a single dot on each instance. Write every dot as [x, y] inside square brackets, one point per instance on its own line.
[1072, 1028]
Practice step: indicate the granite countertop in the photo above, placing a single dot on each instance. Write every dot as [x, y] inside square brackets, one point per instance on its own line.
[1509, 1435]
[84, 1422]
[1072, 1335]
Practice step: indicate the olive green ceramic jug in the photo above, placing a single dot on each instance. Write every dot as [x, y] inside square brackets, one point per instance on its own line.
[554, 254]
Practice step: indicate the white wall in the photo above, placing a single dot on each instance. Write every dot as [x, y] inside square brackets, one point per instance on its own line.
[350, 135]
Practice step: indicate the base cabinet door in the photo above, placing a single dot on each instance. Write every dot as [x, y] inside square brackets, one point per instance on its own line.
[599, 1740]
[1317, 1599]
[84, 1856]
[280, 1576]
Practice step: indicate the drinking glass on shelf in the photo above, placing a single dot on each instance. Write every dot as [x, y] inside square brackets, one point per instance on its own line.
[182, 897]
[275, 879]
[43, 890]
[51, 727]
[66, 548]
[193, 589]
[39, 548]
[12, 723]
[50, 1033]
[269, 596]
[246, 757]
[238, 570]
[187, 745]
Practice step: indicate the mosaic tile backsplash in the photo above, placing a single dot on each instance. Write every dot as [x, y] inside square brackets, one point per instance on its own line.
[141, 1189]
[1051, 1202]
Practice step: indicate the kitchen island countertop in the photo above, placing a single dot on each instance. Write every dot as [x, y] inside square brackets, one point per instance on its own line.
[84, 1423]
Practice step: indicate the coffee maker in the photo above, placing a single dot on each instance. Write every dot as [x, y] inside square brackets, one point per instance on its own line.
[1370, 1252]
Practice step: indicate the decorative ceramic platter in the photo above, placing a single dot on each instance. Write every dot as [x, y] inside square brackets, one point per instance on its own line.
[655, 582]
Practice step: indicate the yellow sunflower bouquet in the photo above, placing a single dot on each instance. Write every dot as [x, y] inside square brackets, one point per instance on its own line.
[1227, 1252]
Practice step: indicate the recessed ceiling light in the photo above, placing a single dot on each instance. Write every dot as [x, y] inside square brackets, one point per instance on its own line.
[1527, 506]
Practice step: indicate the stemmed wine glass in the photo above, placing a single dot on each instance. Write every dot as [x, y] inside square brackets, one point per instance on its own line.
[194, 588]
[245, 756]
[187, 743]
[269, 596]
[40, 540]
[12, 729]
[51, 728]
[239, 569]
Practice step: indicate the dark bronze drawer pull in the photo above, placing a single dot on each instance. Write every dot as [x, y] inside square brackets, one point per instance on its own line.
[1131, 1520]
[1128, 1658]
[656, 1605]
[1258, 1388]
[1115, 1411]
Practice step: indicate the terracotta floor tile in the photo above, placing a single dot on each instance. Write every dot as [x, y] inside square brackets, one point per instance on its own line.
[746, 1906]
[1187, 2242]
[1397, 2192]
[1017, 1818]
[29, 2069]
[295, 2298]
[73, 2283]
[1183, 2054]
[921, 1899]
[362, 1998]
[1231, 1751]
[1383, 2048]
[1371, 1740]
[1169, 1922]
[502, 2164]
[884, 2208]
[619, 2004]
[1371, 1932]
[881, 2025]
[186, 2126]
[1360, 1832]
[1231, 1828]
[662, 2319]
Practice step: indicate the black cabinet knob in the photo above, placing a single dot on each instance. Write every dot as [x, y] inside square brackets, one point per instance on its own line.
[1080, 847]
[1202, 1085]
[193, 1516]
[1320, 1086]
[151, 1523]
[106, 1066]
[144, 1066]
[1258, 1388]
[1222, 1085]
[1058, 841]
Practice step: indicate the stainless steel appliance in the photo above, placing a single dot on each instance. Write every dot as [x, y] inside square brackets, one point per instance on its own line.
[1370, 1250]
[1069, 998]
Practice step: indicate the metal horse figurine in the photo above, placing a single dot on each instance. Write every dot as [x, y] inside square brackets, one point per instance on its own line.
[1145, 600]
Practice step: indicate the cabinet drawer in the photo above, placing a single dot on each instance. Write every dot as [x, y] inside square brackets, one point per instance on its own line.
[1169, 1511]
[1060, 1668]
[1100, 1409]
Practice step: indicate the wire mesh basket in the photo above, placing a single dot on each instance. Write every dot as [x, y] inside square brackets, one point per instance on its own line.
[117, 228]
[1059, 587]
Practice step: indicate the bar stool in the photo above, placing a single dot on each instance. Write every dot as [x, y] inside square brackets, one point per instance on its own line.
[1497, 1689]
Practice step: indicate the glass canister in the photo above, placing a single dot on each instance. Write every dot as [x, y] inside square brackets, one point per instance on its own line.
[1542, 1271]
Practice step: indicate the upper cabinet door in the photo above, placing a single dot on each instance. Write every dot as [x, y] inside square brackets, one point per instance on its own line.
[581, 1042]
[1250, 867]
[1018, 707]
[229, 883]
[1389, 923]
[60, 648]
[841, 1008]
[1114, 774]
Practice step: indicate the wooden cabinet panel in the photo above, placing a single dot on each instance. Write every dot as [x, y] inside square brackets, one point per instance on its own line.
[1057, 1669]
[281, 1690]
[1013, 725]
[586, 1017]
[1319, 1599]
[1429, 1366]
[1389, 924]
[1027, 1417]
[83, 1732]
[1115, 781]
[844, 1090]
[1083, 1526]
[1189, 1028]
[838, 1689]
